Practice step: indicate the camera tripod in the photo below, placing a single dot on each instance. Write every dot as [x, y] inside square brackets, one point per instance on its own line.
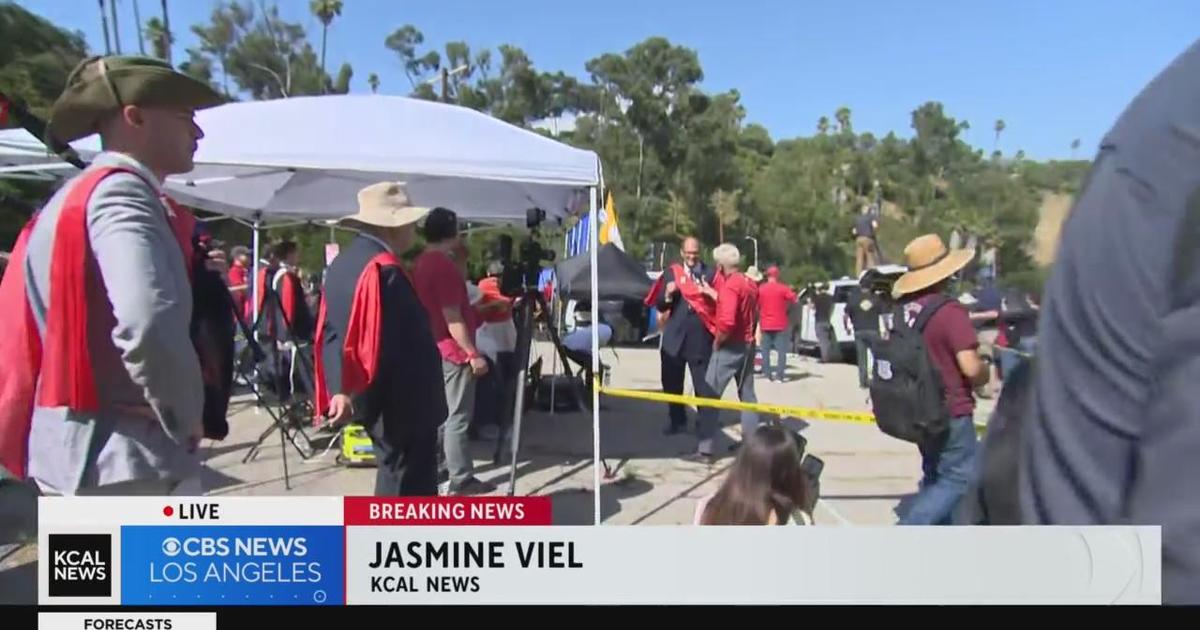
[527, 316]
[288, 420]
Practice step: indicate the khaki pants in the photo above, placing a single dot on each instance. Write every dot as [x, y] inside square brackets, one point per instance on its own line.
[865, 256]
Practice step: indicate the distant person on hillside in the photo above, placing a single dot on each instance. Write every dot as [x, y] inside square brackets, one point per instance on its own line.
[864, 231]
[774, 298]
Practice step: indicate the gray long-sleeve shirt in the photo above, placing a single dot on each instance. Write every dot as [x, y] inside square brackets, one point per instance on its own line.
[1115, 438]
[147, 373]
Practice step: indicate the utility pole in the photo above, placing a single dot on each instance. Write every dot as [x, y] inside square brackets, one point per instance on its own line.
[112, 5]
[137, 17]
[104, 26]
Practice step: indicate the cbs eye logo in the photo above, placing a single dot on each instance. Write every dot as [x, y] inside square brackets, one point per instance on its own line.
[171, 547]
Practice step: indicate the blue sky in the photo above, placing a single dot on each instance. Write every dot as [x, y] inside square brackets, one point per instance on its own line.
[1054, 70]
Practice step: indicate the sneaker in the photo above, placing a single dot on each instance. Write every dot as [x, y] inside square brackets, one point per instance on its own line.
[700, 457]
[470, 487]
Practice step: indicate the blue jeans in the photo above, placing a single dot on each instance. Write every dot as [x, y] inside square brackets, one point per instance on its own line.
[949, 469]
[1009, 360]
[778, 341]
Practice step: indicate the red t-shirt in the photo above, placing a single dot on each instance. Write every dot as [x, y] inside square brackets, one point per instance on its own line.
[737, 299]
[440, 284]
[774, 297]
[946, 334]
[239, 275]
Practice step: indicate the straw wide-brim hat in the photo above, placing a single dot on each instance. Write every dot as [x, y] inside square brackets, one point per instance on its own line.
[386, 205]
[929, 262]
[754, 274]
[101, 86]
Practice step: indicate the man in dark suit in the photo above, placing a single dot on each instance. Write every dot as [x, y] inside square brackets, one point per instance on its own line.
[378, 364]
[687, 339]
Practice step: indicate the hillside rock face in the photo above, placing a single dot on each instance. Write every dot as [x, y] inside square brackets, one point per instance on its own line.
[1052, 214]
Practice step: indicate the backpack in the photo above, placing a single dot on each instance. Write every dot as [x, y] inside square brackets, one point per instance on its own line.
[907, 392]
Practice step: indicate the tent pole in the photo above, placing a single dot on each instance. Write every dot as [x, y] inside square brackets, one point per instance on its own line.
[254, 274]
[594, 247]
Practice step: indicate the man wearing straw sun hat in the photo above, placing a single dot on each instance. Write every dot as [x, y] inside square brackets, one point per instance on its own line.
[948, 461]
[376, 360]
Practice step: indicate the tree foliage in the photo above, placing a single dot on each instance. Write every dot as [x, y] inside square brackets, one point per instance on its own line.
[678, 159]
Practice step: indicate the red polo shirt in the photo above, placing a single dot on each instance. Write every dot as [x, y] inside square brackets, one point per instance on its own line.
[440, 284]
[774, 297]
[737, 300]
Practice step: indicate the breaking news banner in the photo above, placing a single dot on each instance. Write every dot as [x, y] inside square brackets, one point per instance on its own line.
[224, 553]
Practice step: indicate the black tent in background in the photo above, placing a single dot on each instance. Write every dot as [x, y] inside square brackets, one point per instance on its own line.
[621, 277]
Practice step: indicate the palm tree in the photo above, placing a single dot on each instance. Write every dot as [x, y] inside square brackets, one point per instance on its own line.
[724, 206]
[325, 10]
[843, 118]
[104, 27]
[167, 30]
[823, 125]
[1074, 147]
[112, 7]
[160, 39]
[999, 127]
[373, 81]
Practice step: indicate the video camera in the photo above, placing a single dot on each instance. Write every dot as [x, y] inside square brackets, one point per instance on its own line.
[520, 274]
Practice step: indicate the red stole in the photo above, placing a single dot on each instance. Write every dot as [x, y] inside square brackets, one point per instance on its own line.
[704, 307]
[360, 348]
[60, 361]
[290, 294]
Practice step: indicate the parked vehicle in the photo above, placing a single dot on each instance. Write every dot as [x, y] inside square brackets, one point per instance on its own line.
[803, 314]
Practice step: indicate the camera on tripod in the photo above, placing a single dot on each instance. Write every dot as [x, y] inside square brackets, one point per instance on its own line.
[521, 273]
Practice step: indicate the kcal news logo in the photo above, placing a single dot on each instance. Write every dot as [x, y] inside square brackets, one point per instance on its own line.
[80, 565]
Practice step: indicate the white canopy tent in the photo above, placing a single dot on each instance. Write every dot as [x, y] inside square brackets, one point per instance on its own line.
[306, 158]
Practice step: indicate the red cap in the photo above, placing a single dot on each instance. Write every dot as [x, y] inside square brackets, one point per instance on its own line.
[773, 271]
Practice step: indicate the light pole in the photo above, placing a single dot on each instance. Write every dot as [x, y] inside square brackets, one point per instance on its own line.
[755, 241]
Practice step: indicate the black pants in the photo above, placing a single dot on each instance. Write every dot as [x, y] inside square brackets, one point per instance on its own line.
[494, 392]
[406, 462]
[672, 382]
[864, 340]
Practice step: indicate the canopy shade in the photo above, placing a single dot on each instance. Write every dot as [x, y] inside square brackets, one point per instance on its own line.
[307, 157]
[623, 277]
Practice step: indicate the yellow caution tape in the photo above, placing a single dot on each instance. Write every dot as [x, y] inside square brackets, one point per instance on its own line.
[783, 411]
[778, 410]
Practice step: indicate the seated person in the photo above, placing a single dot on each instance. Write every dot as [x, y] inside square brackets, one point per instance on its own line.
[766, 485]
[580, 339]
[578, 342]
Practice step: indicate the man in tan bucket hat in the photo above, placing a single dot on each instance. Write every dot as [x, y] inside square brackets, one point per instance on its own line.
[947, 460]
[377, 363]
[113, 400]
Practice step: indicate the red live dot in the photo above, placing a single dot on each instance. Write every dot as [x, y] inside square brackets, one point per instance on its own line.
[167, 511]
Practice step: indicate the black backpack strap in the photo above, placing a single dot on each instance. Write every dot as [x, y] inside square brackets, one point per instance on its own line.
[928, 310]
